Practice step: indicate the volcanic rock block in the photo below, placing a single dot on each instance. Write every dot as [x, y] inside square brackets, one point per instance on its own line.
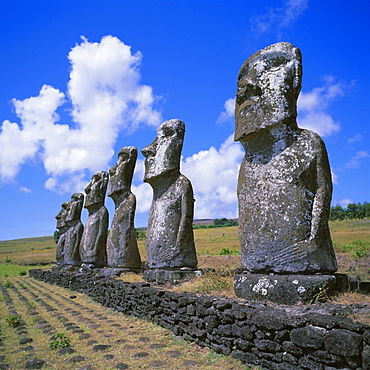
[284, 289]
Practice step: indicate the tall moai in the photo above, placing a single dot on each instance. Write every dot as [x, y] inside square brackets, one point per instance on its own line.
[93, 247]
[284, 185]
[75, 230]
[122, 249]
[62, 228]
[170, 238]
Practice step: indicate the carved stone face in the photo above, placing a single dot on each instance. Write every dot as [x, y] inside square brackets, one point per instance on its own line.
[120, 176]
[269, 83]
[75, 207]
[163, 154]
[96, 189]
[62, 215]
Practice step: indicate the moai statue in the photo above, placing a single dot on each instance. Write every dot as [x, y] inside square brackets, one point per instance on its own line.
[122, 250]
[62, 227]
[93, 245]
[284, 186]
[170, 238]
[75, 230]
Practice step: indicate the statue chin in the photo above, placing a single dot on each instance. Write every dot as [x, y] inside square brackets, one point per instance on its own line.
[153, 171]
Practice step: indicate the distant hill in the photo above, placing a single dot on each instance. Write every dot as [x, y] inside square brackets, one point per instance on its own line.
[40, 239]
[203, 221]
[48, 239]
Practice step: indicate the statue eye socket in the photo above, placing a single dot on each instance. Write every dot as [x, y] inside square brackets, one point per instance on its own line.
[168, 131]
[247, 92]
[124, 157]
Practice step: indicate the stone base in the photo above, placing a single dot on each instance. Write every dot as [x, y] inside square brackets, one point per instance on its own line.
[286, 289]
[117, 271]
[65, 268]
[161, 276]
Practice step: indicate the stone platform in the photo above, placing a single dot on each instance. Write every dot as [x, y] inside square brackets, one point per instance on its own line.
[117, 271]
[162, 276]
[288, 289]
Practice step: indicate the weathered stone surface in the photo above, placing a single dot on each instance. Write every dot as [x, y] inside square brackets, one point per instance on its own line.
[122, 250]
[284, 289]
[284, 186]
[66, 351]
[366, 357]
[343, 342]
[25, 340]
[35, 363]
[306, 363]
[308, 337]
[162, 276]
[75, 230]
[93, 247]
[366, 336]
[101, 347]
[76, 359]
[170, 238]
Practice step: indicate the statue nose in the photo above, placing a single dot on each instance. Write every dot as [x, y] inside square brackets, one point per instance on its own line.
[150, 150]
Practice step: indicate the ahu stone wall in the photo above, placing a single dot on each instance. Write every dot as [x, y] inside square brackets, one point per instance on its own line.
[279, 337]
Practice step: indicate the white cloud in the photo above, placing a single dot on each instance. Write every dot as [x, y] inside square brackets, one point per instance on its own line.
[228, 113]
[106, 97]
[276, 19]
[24, 189]
[344, 202]
[144, 196]
[320, 122]
[213, 174]
[142, 190]
[312, 107]
[354, 139]
[334, 177]
[355, 161]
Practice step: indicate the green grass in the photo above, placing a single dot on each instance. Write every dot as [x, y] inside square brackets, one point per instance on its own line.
[216, 248]
[25, 244]
[59, 340]
[7, 269]
[14, 321]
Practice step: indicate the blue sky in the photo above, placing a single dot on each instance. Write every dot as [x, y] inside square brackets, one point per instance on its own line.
[81, 79]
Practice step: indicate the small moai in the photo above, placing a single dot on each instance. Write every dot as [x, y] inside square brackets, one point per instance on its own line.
[122, 250]
[75, 230]
[170, 239]
[284, 185]
[62, 227]
[93, 246]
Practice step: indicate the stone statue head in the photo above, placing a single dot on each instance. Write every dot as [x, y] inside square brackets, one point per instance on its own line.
[96, 189]
[75, 207]
[61, 217]
[269, 83]
[120, 175]
[163, 154]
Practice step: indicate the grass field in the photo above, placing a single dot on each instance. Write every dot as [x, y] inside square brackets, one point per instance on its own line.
[351, 240]
[44, 311]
